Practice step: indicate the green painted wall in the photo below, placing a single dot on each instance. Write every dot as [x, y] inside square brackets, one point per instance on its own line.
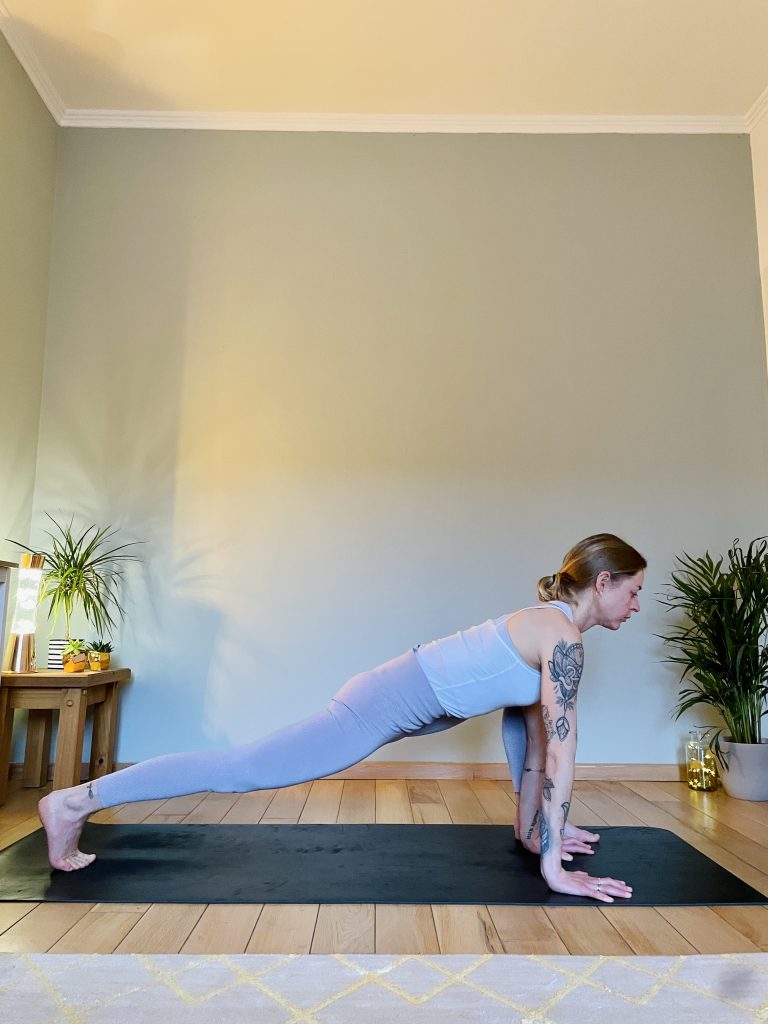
[28, 136]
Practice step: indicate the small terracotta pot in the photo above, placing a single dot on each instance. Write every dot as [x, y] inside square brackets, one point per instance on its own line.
[98, 660]
[74, 662]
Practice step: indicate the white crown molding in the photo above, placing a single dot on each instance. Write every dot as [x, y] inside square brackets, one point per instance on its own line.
[757, 111]
[401, 123]
[14, 33]
[437, 123]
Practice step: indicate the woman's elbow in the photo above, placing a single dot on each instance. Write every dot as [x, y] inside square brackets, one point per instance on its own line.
[560, 759]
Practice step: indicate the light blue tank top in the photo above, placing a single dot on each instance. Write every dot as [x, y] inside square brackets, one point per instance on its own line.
[479, 669]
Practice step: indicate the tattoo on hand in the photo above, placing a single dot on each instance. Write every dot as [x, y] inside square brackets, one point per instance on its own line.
[529, 834]
[565, 672]
[547, 789]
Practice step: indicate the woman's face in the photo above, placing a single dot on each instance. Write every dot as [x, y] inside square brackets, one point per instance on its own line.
[618, 601]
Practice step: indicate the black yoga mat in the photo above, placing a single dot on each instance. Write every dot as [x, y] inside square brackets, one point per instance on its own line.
[357, 864]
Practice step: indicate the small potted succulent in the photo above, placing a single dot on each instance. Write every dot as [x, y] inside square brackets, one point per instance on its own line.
[75, 656]
[99, 655]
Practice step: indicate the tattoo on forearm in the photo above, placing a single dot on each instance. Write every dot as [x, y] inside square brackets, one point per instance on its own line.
[565, 807]
[548, 787]
[547, 722]
[544, 834]
[565, 672]
[529, 834]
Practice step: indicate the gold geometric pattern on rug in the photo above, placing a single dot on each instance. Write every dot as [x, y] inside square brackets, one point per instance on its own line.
[338, 988]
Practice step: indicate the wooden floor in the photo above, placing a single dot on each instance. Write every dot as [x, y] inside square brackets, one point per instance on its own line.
[733, 833]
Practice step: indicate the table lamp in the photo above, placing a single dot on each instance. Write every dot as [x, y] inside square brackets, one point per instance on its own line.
[20, 649]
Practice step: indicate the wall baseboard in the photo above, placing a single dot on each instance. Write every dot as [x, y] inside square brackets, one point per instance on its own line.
[471, 770]
[500, 771]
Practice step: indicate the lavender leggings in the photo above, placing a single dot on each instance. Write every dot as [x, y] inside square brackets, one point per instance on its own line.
[371, 709]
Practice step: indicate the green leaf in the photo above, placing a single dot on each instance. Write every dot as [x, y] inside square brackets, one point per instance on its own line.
[83, 569]
[721, 634]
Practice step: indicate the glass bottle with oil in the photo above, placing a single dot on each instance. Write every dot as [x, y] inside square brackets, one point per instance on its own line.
[702, 767]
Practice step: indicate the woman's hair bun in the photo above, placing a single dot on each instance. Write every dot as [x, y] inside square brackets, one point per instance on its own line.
[548, 587]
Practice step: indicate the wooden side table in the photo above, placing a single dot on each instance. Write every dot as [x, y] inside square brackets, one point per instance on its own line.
[71, 694]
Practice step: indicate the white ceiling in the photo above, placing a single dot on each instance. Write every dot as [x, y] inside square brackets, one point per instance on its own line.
[389, 62]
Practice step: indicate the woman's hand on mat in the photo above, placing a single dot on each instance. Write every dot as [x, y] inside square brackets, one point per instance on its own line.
[574, 832]
[579, 883]
[576, 840]
[569, 846]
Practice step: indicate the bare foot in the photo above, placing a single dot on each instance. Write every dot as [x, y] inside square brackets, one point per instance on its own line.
[63, 814]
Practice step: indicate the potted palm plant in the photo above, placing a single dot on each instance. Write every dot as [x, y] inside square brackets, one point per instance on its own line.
[723, 649]
[82, 569]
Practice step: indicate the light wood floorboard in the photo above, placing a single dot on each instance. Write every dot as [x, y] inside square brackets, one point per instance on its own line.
[734, 833]
[284, 928]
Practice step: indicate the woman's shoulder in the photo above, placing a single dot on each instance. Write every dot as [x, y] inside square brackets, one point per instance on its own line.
[547, 610]
[546, 618]
[540, 627]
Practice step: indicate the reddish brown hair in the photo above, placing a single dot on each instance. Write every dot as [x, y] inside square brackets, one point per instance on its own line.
[602, 552]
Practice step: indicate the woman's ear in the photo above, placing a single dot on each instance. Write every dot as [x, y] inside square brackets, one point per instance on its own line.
[602, 581]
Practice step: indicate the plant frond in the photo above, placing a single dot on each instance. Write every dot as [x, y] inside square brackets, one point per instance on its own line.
[83, 568]
[721, 644]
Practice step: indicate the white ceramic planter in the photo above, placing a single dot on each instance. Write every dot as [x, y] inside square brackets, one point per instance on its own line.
[746, 777]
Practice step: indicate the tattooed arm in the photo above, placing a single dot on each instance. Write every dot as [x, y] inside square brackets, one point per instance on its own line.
[562, 662]
[529, 798]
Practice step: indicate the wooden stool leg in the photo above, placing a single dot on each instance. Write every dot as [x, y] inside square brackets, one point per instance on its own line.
[104, 728]
[6, 732]
[69, 745]
[38, 748]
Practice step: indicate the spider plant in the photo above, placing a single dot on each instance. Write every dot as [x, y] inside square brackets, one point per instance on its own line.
[81, 568]
[723, 646]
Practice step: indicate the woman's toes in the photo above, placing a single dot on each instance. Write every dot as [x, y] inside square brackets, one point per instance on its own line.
[75, 861]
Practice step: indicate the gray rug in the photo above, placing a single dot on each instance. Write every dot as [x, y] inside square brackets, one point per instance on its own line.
[351, 989]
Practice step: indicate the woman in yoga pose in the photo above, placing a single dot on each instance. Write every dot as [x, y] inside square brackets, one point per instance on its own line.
[529, 663]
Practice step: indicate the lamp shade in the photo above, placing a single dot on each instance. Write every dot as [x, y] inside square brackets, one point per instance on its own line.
[20, 650]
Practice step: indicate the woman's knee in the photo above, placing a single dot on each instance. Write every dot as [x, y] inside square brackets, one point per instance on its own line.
[238, 771]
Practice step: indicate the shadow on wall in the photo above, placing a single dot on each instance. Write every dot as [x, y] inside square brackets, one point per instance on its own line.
[171, 653]
[117, 321]
[98, 66]
[19, 517]
[170, 656]
[114, 321]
